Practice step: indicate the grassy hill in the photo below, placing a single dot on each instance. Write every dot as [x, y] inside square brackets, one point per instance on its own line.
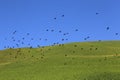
[72, 61]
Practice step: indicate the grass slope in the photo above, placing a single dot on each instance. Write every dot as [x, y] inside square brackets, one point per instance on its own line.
[73, 61]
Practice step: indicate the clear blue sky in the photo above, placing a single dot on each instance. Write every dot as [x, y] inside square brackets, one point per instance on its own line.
[35, 16]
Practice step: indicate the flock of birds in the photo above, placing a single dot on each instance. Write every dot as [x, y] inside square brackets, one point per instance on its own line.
[19, 42]
[42, 55]
[22, 42]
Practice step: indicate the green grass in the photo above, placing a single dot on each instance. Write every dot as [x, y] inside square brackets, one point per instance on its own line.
[73, 61]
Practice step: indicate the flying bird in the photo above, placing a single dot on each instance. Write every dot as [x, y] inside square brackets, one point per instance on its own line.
[55, 18]
[28, 33]
[63, 15]
[23, 38]
[108, 28]
[14, 32]
[64, 34]
[116, 33]
[88, 37]
[66, 39]
[85, 38]
[52, 30]
[96, 13]
[60, 31]
[62, 39]
[76, 30]
[46, 29]
[46, 39]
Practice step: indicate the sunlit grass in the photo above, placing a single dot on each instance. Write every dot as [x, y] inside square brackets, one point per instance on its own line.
[73, 61]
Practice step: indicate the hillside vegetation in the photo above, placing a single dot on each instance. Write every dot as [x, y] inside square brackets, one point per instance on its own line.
[72, 61]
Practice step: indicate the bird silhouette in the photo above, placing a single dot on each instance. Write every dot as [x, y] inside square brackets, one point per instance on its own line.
[96, 13]
[46, 29]
[14, 32]
[55, 18]
[52, 30]
[62, 39]
[66, 39]
[76, 30]
[28, 33]
[108, 28]
[46, 39]
[23, 38]
[116, 33]
[64, 34]
[85, 38]
[63, 15]
[60, 31]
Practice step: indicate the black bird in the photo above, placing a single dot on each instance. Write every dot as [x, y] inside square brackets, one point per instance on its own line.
[4, 46]
[85, 38]
[88, 37]
[75, 45]
[99, 40]
[14, 32]
[76, 30]
[46, 39]
[14, 40]
[64, 34]
[38, 46]
[28, 33]
[62, 39]
[29, 44]
[46, 29]
[108, 28]
[13, 47]
[52, 30]
[63, 15]
[55, 18]
[96, 48]
[66, 39]
[96, 13]
[17, 45]
[67, 33]
[31, 47]
[116, 33]
[65, 54]
[60, 31]
[57, 43]
[23, 38]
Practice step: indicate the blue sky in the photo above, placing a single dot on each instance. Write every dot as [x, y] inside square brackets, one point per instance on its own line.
[35, 16]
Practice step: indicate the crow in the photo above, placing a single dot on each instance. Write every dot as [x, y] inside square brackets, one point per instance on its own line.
[85, 38]
[116, 33]
[63, 15]
[76, 30]
[96, 13]
[55, 18]
[28, 33]
[52, 30]
[108, 28]
[46, 29]
[14, 32]
[60, 31]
